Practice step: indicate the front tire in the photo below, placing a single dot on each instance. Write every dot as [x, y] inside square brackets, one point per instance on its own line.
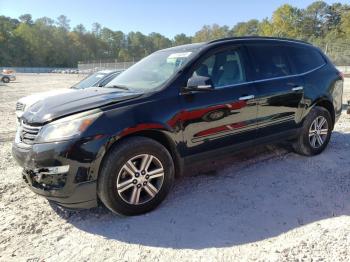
[5, 79]
[316, 132]
[136, 176]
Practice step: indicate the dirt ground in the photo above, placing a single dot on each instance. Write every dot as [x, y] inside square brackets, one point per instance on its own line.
[266, 203]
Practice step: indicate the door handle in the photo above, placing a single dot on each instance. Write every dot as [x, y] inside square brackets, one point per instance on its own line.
[297, 88]
[242, 98]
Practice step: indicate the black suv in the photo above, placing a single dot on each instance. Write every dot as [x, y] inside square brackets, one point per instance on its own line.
[124, 144]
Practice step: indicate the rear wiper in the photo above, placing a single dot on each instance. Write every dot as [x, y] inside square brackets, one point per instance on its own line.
[119, 87]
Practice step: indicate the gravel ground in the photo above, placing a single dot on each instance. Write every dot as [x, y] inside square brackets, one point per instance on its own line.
[265, 204]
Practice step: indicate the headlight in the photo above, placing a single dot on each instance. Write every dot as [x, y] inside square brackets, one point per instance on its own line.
[66, 128]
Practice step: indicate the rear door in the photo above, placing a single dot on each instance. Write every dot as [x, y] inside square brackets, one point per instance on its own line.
[279, 88]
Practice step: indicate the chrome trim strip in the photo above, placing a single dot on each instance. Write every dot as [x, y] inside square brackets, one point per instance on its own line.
[267, 123]
[297, 88]
[26, 135]
[231, 131]
[243, 98]
[204, 86]
[283, 77]
[269, 79]
[230, 39]
[31, 127]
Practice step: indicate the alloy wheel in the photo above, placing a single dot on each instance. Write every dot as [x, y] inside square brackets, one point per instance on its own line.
[140, 179]
[318, 132]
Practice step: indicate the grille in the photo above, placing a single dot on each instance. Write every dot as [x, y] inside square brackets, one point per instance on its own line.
[29, 133]
[20, 106]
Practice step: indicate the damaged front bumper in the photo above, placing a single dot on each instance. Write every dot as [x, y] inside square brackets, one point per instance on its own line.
[62, 172]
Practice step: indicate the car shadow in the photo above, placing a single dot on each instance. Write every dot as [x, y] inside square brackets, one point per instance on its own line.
[257, 194]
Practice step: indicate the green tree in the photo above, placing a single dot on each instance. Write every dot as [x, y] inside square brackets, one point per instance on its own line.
[96, 29]
[137, 46]
[63, 22]
[265, 28]
[26, 18]
[124, 55]
[345, 24]
[157, 41]
[246, 28]
[286, 21]
[9, 44]
[80, 29]
[212, 32]
[182, 39]
[47, 42]
[314, 19]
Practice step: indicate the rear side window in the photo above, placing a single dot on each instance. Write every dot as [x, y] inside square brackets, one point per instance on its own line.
[305, 59]
[270, 61]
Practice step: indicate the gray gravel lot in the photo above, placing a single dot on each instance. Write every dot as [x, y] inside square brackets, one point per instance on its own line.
[266, 203]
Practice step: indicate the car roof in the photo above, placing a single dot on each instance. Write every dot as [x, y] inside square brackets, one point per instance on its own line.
[258, 38]
[201, 45]
[182, 48]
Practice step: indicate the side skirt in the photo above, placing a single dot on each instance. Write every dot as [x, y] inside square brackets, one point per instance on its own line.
[283, 136]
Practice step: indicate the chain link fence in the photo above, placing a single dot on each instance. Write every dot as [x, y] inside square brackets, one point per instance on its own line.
[86, 67]
[339, 53]
[97, 65]
[38, 70]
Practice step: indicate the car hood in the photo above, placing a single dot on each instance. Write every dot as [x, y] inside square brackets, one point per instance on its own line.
[32, 99]
[64, 104]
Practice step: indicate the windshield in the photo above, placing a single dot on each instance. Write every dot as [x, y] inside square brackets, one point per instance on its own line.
[152, 71]
[90, 81]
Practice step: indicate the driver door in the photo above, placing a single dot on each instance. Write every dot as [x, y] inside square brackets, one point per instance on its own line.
[225, 116]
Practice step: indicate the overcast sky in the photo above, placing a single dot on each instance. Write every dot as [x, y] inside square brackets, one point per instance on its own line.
[166, 17]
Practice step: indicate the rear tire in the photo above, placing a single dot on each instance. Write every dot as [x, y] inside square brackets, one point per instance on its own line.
[136, 176]
[316, 132]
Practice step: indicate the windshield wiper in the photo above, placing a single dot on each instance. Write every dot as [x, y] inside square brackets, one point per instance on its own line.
[119, 87]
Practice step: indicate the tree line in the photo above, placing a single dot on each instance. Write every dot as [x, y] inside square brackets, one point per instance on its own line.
[52, 42]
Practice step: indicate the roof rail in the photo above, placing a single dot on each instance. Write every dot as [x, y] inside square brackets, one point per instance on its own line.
[257, 37]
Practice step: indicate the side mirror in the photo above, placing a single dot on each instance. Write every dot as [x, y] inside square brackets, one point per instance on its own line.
[199, 83]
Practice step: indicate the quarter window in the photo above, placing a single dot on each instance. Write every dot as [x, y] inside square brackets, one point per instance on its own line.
[224, 68]
[305, 58]
[269, 61]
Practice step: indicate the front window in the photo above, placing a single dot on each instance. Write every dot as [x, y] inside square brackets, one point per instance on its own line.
[224, 68]
[154, 70]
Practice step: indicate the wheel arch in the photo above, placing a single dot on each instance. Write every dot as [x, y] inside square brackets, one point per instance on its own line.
[327, 104]
[158, 135]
